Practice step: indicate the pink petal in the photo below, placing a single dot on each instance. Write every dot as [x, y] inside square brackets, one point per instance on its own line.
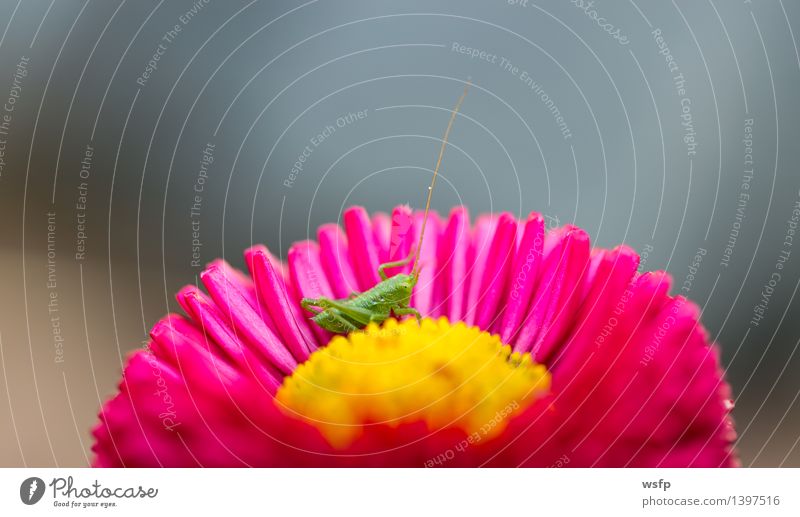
[601, 311]
[335, 259]
[402, 239]
[524, 276]
[363, 253]
[246, 321]
[495, 272]
[245, 287]
[557, 293]
[124, 439]
[280, 301]
[381, 228]
[567, 295]
[309, 278]
[454, 262]
[663, 394]
[479, 254]
[185, 348]
[216, 326]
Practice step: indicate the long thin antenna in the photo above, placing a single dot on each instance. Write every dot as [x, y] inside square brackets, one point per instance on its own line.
[415, 268]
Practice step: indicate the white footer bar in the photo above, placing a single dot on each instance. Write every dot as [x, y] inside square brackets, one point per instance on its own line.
[382, 492]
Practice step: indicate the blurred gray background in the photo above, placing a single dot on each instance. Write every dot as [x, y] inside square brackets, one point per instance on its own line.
[637, 120]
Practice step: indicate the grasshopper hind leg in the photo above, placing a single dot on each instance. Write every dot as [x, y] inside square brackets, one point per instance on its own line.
[360, 316]
[332, 319]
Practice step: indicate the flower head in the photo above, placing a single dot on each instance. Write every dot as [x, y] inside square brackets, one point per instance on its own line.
[536, 350]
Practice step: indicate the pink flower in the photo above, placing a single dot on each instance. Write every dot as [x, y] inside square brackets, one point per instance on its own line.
[630, 376]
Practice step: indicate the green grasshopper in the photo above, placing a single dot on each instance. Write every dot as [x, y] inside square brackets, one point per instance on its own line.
[393, 294]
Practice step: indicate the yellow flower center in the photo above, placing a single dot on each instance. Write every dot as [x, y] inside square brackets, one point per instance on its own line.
[449, 376]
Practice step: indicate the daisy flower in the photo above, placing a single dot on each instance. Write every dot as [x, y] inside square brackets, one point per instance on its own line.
[534, 350]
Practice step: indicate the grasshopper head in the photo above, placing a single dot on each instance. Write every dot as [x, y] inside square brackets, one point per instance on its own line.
[404, 286]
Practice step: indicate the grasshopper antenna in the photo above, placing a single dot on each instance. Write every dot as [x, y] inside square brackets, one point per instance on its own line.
[415, 268]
